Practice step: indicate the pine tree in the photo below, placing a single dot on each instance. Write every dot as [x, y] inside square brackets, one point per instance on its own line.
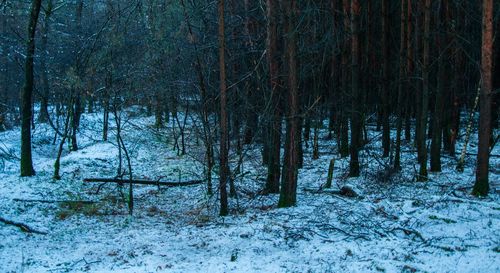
[481, 187]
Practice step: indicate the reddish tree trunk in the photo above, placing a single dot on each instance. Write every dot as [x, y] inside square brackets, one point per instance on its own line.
[481, 187]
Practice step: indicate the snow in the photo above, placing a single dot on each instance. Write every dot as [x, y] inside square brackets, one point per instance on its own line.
[397, 225]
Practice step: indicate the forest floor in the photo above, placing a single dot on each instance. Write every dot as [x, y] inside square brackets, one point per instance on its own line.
[396, 225]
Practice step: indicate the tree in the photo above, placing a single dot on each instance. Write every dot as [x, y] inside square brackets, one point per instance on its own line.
[224, 169]
[44, 113]
[438, 120]
[79, 69]
[273, 173]
[27, 94]
[422, 120]
[288, 192]
[401, 86]
[343, 133]
[409, 103]
[386, 130]
[356, 94]
[4, 78]
[481, 187]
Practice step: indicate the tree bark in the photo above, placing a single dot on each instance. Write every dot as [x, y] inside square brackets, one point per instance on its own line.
[344, 120]
[44, 113]
[224, 169]
[4, 76]
[481, 186]
[386, 130]
[410, 95]
[27, 94]
[422, 176]
[495, 105]
[273, 166]
[79, 70]
[401, 86]
[437, 135]
[355, 93]
[288, 193]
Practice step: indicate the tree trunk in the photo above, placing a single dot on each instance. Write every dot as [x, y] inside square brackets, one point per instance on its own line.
[57, 163]
[159, 106]
[224, 169]
[4, 76]
[386, 130]
[344, 120]
[273, 159]
[437, 134]
[333, 98]
[422, 176]
[495, 106]
[288, 193]
[481, 187]
[27, 94]
[418, 84]
[410, 95]
[79, 70]
[43, 115]
[458, 65]
[355, 95]
[75, 120]
[401, 86]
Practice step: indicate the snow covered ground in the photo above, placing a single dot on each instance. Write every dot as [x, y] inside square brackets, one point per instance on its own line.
[397, 225]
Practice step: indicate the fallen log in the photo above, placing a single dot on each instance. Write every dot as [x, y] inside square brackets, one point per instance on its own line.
[53, 201]
[22, 226]
[142, 182]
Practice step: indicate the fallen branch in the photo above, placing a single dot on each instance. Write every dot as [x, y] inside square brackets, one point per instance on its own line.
[54, 201]
[23, 227]
[143, 182]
